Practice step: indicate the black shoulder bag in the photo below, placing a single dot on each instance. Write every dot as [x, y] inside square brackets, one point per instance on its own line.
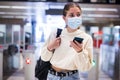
[42, 67]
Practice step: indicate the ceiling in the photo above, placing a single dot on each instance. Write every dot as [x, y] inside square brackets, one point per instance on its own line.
[92, 13]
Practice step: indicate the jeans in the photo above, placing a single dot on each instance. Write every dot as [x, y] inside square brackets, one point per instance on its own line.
[70, 77]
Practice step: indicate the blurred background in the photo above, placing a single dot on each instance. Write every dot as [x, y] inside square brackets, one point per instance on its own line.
[26, 24]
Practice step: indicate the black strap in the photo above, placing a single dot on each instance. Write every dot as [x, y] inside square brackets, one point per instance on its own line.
[42, 67]
[58, 32]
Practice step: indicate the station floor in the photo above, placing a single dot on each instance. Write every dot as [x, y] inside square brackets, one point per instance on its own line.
[19, 75]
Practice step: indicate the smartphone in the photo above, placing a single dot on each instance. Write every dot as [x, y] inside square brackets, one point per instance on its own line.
[78, 39]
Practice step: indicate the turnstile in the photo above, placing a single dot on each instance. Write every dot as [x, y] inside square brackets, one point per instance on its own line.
[1, 64]
[29, 64]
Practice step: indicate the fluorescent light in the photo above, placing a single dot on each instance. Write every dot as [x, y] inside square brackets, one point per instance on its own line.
[7, 16]
[107, 9]
[21, 7]
[2, 12]
[118, 26]
[56, 7]
[17, 7]
[30, 7]
[4, 6]
[21, 17]
[89, 9]
[100, 9]
[102, 15]
[18, 13]
[88, 18]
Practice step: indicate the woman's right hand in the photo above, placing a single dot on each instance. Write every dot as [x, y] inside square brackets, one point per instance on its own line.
[54, 44]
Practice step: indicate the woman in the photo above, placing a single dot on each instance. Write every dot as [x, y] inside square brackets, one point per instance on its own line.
[65, 55]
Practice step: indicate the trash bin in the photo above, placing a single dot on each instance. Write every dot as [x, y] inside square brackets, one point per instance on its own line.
[1, 64]
[29, 64]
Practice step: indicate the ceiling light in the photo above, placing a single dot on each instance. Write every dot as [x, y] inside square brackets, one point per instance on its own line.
[89, 9]
[4, 6]
[21, 7]
[107, 9]
[100, 9]
[56, 7]
[102, 15]
[2, 12]
[7, 16]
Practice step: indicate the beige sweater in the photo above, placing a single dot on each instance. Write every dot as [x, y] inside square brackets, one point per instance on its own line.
[65, 57]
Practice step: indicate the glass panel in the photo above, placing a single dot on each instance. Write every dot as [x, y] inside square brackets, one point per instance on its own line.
[2, 37]
[2, 34]
[15, 36]
[8, 34]
[16, 33]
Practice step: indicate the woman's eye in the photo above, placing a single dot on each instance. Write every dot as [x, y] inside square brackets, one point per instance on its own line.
[71, 15]
[75, 15]
[78, 15]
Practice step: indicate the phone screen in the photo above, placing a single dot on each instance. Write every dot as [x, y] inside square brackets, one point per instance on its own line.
[78, 39]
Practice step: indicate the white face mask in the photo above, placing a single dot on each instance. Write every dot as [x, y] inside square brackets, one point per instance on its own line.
[74, 22]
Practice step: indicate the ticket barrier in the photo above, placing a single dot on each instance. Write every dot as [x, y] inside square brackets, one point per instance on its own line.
[116, 75]
[93, 74]
[1, 64]
[29, 64]
[110, 61]
[9, 61]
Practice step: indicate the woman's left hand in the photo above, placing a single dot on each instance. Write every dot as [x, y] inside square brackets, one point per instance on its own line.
[76, 45]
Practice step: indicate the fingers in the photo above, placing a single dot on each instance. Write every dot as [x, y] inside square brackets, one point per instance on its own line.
[77, 46]
[58, 40]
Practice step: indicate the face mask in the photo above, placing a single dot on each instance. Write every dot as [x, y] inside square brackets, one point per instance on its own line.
[74, 22]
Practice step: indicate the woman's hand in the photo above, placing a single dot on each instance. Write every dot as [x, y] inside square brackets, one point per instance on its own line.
[54, 44]
[77, 46]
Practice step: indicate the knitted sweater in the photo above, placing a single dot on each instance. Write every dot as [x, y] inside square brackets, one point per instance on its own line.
[65, 57]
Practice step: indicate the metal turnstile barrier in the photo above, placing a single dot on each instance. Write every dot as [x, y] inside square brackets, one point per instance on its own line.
[93, 74]
[29, 64]
[1, 64]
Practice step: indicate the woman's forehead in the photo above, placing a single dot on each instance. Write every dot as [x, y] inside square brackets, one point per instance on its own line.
[74, 10]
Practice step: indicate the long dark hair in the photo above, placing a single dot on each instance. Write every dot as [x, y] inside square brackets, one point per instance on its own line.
[68, 6]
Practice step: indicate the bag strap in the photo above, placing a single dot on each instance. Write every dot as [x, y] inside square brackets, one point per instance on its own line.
[58, 32]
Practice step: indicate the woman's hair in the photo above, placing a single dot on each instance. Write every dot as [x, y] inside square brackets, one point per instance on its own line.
[68, 6]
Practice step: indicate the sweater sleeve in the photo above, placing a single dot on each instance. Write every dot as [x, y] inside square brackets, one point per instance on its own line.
[45, 53]
[83, 60]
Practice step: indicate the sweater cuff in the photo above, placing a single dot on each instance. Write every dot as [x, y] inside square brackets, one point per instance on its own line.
[49, 53]
[47, 56]
[83, 55]
[80, 52]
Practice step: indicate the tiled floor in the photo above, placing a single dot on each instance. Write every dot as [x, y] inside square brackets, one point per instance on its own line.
[19, 75]
[103, 76]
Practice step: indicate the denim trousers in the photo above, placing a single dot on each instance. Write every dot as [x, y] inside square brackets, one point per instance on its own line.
[70, 77]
